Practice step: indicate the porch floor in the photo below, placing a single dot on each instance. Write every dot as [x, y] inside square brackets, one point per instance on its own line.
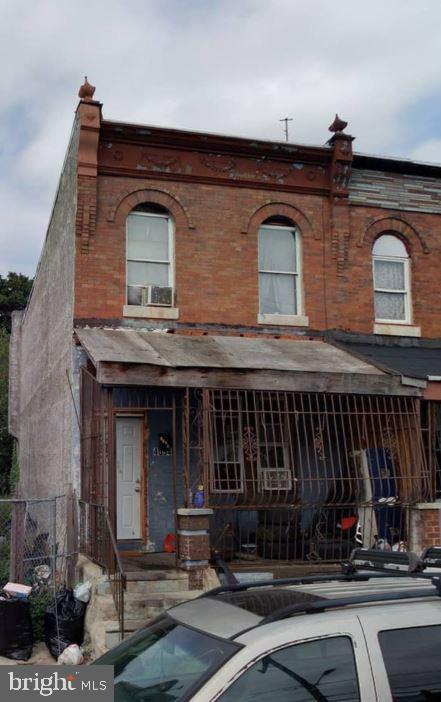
[147, 563]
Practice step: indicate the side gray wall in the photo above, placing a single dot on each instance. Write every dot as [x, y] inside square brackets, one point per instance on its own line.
[14, 374]
[44, 425]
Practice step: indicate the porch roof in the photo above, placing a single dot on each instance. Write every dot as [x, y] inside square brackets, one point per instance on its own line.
[127, 356]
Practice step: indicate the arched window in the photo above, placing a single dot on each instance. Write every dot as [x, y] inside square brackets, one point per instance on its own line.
[149, 256]
[391, 280]
[279, 268]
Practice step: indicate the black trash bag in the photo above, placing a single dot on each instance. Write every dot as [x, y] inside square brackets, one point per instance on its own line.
[70, 629]
[16, 637]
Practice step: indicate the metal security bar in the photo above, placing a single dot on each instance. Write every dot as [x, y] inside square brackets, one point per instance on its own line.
[431, 430]
[97, 541]
[95, 440]
[276, 448]
[308, 476]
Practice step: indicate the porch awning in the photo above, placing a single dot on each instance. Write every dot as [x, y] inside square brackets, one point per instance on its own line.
[130, 357]
[423, 362]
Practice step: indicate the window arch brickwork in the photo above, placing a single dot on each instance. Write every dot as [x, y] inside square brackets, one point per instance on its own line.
[121, 209]
[412, 238]
[281, 209]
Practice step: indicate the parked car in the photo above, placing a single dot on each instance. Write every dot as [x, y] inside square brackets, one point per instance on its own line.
[371, 634]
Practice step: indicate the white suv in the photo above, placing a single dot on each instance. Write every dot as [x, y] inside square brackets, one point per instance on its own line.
[372, 633]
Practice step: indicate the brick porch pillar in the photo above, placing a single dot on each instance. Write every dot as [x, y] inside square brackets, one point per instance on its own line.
[194, 543]
[425, 527]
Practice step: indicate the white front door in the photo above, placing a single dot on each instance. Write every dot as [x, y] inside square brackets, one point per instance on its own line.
[128, 479]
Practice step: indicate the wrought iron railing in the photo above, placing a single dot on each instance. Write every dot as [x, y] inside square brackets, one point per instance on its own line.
[97, 542]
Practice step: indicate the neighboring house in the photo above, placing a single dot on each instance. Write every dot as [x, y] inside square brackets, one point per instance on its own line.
[238, 335]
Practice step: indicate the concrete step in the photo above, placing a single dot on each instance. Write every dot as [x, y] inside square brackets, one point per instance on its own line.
[171, 574]
[150, 581]
[148, 587]
[138, 605]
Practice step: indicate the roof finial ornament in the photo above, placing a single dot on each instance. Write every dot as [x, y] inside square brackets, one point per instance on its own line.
[338, 125]
[86, 91]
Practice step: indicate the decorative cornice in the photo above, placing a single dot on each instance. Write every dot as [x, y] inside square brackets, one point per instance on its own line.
[205, 143]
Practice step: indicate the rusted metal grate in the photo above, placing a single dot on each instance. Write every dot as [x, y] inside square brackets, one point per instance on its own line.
[309, 476]
[95, 438]
[267, 449]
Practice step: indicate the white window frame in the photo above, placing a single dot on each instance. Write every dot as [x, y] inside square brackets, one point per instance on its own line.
[405, 292]
[298, 274]
[171, 253]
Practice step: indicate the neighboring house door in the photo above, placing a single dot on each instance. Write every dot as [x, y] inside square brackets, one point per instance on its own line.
[128, 479]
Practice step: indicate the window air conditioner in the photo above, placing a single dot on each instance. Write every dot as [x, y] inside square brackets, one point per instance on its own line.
[156, 295]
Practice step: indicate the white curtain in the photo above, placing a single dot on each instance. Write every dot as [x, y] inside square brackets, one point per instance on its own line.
[277, 293]
[390, 306]
[389, 275]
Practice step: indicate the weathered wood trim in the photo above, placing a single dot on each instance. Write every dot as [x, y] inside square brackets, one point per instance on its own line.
[348, 383]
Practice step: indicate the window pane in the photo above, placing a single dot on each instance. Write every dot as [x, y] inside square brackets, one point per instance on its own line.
[133, 295]
[147, 237]
[226, 438]
[389, 274]
[147, 273]
[390, 306]
[277, 250]
[389, 245]
[277, 294]
[226, 450]
[413, 662]
[323, 669]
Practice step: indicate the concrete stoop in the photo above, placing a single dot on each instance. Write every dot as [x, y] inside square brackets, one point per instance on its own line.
[148, 594]
[146, 598]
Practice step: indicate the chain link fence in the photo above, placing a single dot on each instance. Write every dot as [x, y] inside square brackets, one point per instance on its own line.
[38, 547]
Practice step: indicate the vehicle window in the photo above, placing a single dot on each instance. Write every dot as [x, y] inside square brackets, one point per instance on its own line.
[413, 662]
[163, 661]
[322, 670]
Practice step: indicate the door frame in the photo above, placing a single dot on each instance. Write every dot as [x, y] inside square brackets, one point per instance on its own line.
[144, 436]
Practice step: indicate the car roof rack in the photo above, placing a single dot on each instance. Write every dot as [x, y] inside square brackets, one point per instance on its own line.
[364, 564]
[337, 603]
[390, 561]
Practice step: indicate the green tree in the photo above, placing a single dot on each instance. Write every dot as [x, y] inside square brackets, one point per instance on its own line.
[14, 292]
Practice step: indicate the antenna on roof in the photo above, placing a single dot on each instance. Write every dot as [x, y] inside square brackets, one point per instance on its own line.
[286, 130]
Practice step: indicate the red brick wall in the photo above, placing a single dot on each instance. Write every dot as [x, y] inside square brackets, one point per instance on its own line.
[430, 527]
[216, 262]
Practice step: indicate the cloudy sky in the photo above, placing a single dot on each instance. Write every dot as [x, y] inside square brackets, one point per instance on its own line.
[232, 66]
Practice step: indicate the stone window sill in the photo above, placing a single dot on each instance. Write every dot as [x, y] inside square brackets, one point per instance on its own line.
[291, 320]
[151, 312]
[396, 329]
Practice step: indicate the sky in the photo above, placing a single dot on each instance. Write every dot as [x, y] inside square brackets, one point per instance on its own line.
[227, 66]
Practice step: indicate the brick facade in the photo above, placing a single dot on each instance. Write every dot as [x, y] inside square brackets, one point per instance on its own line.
[426, 526]
[218, 191]
[217, 202]
[430, 527]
